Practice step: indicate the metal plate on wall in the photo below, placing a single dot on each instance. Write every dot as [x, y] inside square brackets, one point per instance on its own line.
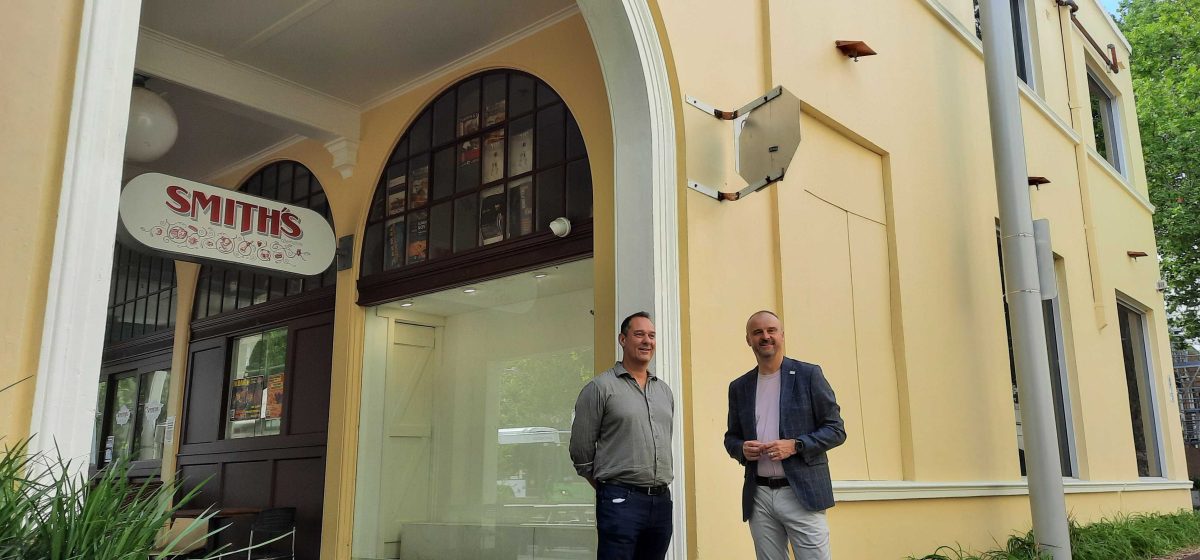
[768, 138]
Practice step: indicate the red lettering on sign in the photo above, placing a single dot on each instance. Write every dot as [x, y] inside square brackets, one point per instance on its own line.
[179, 196]
[291, 224]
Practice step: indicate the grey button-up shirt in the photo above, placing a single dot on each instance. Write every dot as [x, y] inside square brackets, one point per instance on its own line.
[622, 433]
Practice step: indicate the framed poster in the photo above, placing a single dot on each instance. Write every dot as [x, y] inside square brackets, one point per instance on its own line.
[520, 155]
[491, 215]
[275, 395]
[396, 193]
[493, 113]
[468, 124]
[493, 156]
[418, 237]
[420, 187]
[246, 402]
[469, 153]
[394, 250]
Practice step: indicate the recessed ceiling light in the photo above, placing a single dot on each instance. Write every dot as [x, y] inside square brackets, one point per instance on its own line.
[406, 304]
[540, 275]
[469, 290]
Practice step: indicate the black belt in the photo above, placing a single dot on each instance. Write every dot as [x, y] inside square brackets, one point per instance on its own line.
[771, 482]
[647, 490]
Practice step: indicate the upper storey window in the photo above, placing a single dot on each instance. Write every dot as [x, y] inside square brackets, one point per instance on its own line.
[1106, 122]
[141, 295]
[1022, 38]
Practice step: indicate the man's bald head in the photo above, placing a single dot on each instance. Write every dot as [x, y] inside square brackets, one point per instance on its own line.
[764, 334]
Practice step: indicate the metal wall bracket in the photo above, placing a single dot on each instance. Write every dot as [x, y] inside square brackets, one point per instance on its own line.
[730, 115]
[724, 196]
[345, 252]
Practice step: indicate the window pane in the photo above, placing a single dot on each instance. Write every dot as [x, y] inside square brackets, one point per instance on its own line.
[579, 190]
[440, 228]
[262, 286]
[216, 290]
[575, 146]
[418, 176]
[520, 146]
[256, 384]
[139, 317]
[549, 197]
[124, 411]
[467, 176]
[395, 248]
[520, 207]
[443, 120]
[520, 94]
[468, 108]
[397, 189]
[285, 193]
[1141, 408]
[98, 427]
[418, 135]
[245, 288]
[550, 136]
[493, 156]
[494, 104]
[151, 317]
[372, 256]
[401, 150]
[546, 96]
[418, 237]
[152, 402]
[466, 223]
[491, 215]
[443, 173]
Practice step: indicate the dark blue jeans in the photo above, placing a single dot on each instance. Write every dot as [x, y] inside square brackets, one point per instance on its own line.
[631, 525]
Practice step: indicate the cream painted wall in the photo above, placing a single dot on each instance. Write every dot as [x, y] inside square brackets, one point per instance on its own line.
[37, 88]
[898, 146]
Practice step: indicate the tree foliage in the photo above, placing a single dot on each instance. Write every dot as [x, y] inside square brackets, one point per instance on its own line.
[1165, 35]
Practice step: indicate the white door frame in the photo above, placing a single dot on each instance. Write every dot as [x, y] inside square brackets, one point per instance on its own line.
[645, 188]
[73, 330]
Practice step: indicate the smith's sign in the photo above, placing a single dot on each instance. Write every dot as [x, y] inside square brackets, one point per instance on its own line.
[191, 221]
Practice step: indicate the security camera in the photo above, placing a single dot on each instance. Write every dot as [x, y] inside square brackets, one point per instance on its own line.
[561, 227]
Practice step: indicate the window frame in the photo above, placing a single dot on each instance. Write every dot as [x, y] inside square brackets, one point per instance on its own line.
[1111, 121]
[378, 284]
[110, 374]
[1147, 377]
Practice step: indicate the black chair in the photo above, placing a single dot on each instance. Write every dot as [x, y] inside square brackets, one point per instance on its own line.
[271, 524]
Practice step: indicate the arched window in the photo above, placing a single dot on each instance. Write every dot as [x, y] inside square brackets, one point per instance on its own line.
[141, 295]
[221, 289]
[477, 178]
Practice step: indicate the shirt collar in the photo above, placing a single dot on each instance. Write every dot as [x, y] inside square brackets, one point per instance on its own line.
[621, 371]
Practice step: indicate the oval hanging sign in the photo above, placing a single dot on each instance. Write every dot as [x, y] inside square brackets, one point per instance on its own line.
[191, 221]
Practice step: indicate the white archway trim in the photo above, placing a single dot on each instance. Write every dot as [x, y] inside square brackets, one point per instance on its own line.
[645, 182]
[73, 331]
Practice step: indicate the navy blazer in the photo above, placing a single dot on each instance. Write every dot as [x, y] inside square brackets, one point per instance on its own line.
[808, 412]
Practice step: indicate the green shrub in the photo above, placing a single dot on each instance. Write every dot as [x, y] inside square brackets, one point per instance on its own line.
[1128, 537]
[48, 512]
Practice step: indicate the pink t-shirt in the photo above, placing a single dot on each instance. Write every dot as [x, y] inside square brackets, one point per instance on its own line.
[766, 421]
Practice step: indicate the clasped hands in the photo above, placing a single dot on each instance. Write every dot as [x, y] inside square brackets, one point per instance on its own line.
[774, 450]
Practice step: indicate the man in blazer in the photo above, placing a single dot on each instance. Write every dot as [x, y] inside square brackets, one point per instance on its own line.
[783, 417]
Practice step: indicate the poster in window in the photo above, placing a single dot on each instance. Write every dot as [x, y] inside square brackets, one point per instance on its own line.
[246, 402]
[420, 187]
[396, 194]
[520, 156]
[395, 243]
[520, 207]
[468, 124]
[493, 156]
[469, 153]
[418, 237]
[275, 395]
[491, 215]
[493, 113]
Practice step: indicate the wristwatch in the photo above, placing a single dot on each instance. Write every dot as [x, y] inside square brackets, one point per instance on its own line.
[799, 444]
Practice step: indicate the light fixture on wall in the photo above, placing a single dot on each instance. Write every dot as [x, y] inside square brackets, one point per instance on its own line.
[152, 128]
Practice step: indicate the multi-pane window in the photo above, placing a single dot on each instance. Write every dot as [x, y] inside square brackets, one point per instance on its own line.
[493, 159]
[141, 295]
[1139, 388]
[1022, 45]
[1052, 323]
[131, 419]
[221, 289]
[256, 385]
[1105, 122]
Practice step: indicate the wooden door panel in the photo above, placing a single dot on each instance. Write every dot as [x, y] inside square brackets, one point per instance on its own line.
[312, 358]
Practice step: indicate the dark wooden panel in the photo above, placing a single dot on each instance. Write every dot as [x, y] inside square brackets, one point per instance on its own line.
[205, 476]
[206, 383]
[299, 483]
[244, 484]
[312, 360]
[274, 446]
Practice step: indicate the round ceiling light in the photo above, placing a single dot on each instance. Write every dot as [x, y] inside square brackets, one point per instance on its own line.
[152, 128]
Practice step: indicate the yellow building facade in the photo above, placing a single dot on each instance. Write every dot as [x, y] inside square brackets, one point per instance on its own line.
[878, 249]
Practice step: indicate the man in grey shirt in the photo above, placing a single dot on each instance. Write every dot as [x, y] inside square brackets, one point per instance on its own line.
[621, 443]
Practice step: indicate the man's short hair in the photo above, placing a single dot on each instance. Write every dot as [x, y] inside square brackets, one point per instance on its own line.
[761, 311]
[629, 319]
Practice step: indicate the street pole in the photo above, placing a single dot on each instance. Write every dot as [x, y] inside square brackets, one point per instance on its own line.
[1046, 501]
